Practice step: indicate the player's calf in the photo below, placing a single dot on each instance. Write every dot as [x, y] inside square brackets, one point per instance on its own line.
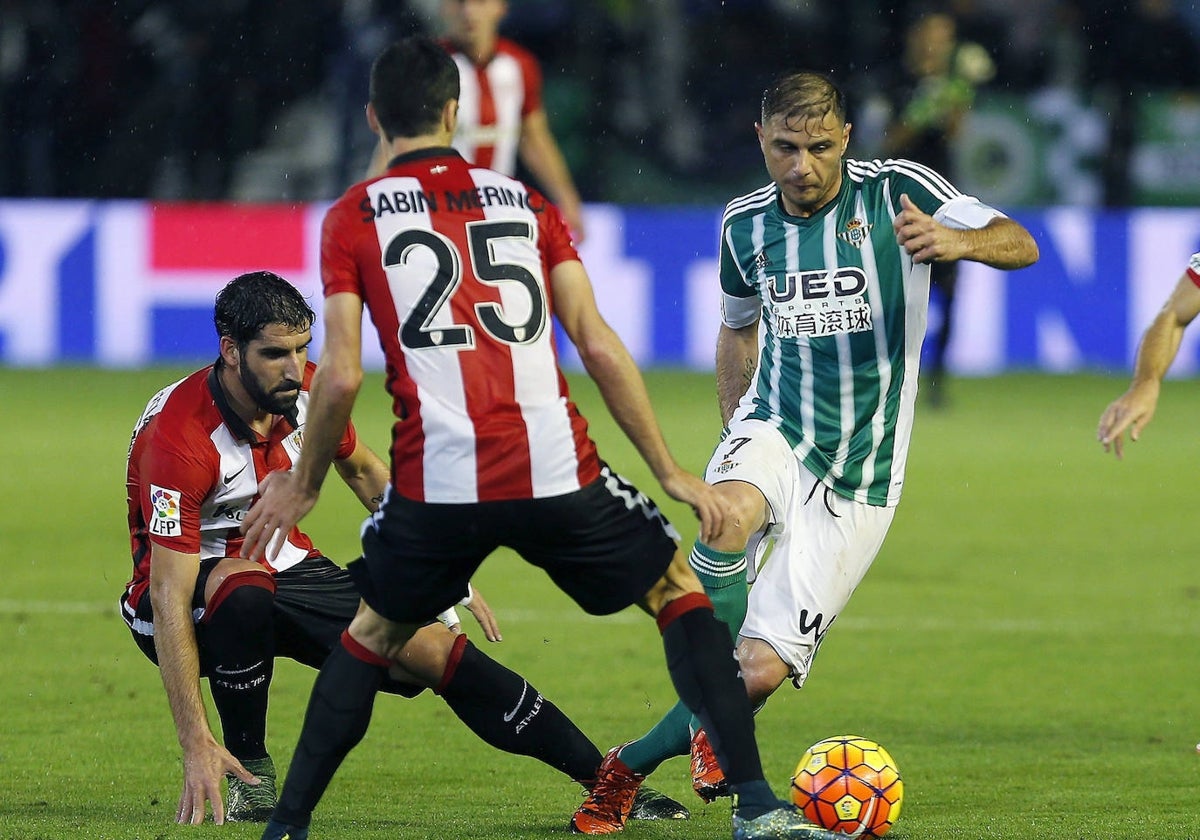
[237, 634]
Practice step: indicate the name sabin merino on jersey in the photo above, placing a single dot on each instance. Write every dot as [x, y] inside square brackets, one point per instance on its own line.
[429, 201]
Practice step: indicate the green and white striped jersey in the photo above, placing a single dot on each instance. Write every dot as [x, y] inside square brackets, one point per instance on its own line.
[843, 311]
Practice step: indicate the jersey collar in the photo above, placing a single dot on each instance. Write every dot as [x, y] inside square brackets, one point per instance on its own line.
[240, 428]
[422, 154]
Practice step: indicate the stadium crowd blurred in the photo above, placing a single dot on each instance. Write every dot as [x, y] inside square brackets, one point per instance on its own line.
[249, 99]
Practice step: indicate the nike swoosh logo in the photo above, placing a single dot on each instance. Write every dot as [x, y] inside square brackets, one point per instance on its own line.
[524, 688]
[231, 476]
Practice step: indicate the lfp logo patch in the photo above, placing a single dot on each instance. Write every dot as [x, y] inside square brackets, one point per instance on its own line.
[164, 517]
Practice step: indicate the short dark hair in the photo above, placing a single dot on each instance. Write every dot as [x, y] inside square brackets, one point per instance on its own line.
[803, 96]
[251, 301]
[411, 81]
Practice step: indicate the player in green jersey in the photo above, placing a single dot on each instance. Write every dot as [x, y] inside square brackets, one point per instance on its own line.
[825, 281]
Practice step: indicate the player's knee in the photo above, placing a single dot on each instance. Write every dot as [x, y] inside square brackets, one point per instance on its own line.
[228, 574]
[419, 650]
[763, 671]
[244, 598]
[430, 652]
[760, 685]
[746, 513]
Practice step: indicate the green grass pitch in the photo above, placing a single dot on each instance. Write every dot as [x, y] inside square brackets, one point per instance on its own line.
[1027, 645]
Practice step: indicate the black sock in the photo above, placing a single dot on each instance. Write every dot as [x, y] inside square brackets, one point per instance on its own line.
[753, 799]
[239, 642]
[337, 717]
[705, 673]
[510, 714]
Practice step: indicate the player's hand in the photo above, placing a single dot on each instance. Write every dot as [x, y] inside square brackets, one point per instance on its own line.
[483, 614]
[282, 503]
[925, 239]
[203, 770]
[1133, 410]
[706, 502]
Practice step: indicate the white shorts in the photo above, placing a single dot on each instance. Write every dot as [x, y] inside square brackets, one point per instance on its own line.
[821, 543]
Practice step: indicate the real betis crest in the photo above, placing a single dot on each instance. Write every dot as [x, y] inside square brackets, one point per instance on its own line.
[856, 232]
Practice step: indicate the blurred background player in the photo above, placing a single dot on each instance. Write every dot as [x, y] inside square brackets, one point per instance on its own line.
[486, 434]
[198, 610]
[935, 90]
[824, 277]
[500, 113]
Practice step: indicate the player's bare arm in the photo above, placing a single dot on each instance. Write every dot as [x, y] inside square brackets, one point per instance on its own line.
[285, 497]
[205, 761]
[624, 392]
[1134, 409]
[737, 359]
[366, 474]
[540, 153]
[1002, 243]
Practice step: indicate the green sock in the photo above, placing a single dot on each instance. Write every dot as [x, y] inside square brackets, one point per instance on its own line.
[723, 574]
[724, 577]
[668, 738]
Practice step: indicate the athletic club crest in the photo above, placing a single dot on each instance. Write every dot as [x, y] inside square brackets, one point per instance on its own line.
[856, 232]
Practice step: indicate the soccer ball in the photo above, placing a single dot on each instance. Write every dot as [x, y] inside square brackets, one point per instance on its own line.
[849, 784]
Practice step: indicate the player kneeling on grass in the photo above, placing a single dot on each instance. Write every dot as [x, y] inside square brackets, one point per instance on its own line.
[195, 608]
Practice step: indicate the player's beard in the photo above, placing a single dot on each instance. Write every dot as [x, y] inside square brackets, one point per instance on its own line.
[279, 400]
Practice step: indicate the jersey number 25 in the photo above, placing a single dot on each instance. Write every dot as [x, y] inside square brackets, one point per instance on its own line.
[418, 330]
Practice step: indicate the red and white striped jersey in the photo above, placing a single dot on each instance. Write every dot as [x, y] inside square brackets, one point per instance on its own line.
[193, 472]
[453, 262]
[495, 98]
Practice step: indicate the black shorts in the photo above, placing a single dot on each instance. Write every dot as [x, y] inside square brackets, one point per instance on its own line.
[605, 545]
[315, 601]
